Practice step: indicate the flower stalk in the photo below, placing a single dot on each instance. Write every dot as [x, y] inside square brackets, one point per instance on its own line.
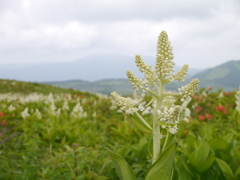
[165, 113]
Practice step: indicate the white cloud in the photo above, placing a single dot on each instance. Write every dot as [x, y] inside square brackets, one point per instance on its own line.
[203, 33]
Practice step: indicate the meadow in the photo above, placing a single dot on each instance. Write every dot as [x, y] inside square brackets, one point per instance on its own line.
[53, 133]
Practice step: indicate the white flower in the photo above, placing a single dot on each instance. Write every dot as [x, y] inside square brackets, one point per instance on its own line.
[126, 104]
[25, 113]
[38, 114]
[11, 108]
[237, 96]
[65, 106]
[173, 130]
[189, 90]
[78, 111]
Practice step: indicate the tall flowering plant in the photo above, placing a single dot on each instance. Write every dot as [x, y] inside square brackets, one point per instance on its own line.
[165, 113]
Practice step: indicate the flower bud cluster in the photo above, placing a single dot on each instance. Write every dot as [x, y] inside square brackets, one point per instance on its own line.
[126, 104]
[164, 46]
[170, 116]
[135, 82]
[164, 63]
[237, 96]
[146, 69]
[181, 74]
[163, 68]
[188, 91]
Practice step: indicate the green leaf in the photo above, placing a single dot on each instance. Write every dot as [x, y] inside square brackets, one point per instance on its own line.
[140, 123]
[163, 167]
[218, 143]
[237, 172]
[124, 171]
[201, 153]
[227, 171]
[200, 159]
[206, 164]
[150, 148]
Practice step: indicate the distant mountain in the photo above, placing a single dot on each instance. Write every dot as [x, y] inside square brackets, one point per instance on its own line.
[105, 86]
[90, 68]
[226, 76]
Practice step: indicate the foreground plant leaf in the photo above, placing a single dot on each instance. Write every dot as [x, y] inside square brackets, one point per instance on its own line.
[141, 124]
[123, 169]
[227, 171]
[162, 168]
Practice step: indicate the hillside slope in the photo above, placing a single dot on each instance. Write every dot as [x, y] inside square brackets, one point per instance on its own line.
[12, 86]
[226, 76]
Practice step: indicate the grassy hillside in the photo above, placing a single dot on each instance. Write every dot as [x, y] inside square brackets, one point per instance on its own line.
[104, 86]
[14, 86]
[224, 76]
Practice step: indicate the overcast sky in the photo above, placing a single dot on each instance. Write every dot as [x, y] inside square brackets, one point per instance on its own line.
[203, 33]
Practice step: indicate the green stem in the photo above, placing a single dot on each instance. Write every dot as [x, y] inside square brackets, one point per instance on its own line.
[156, 126]
[172, 94]
[151, 92]
[166, 140]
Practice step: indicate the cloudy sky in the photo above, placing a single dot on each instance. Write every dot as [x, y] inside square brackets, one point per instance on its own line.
[203, 33]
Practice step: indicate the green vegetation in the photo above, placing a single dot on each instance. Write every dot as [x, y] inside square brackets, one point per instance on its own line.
[14, 86]
[223, 76]
[69, 144]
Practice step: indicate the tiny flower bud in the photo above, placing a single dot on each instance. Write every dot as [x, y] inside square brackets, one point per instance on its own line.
[188, 91]
[135, 82]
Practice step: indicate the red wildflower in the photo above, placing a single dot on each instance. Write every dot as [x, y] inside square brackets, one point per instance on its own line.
[186, 131]
[227, 93]
[198, 109]
[201, 117]
[195, 96]
[200, 98]
[221, 108]
[210, 87]
[118, 125]
[1, 114]
[209, 116]
[3, 122]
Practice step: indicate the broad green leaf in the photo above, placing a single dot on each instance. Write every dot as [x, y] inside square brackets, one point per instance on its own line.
[237, 172]
[189, 168]
[163, 167]
[140, 123]
[201, 153]
[218, 143]
[124, 171]
[183, 175]
[236, 152]
[227, 171]
[150, 148]
[228, 137]
[206, 164]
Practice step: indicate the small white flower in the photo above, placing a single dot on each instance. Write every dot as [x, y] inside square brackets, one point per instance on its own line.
[25, 113]
[38, 114]
[11, 108]
[237, 96]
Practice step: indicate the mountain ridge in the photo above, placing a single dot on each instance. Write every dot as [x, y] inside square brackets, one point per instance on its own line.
[222, 76]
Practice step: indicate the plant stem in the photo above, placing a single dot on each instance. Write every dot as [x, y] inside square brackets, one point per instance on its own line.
[156, 126]
[166, 140]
